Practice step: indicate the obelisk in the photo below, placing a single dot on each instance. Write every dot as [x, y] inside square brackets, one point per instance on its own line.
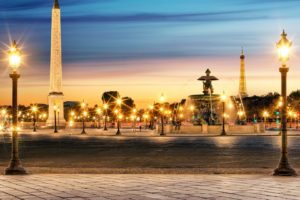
[55, 98]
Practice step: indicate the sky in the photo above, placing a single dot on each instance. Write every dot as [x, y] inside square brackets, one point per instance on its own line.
[143, 48]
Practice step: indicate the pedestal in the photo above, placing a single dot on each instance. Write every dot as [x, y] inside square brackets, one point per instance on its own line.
[56, 99]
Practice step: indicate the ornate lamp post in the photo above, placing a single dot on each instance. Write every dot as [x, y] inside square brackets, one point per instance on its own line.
[223, 100]
[296, 119]
[240, 115]
[192, 109]
[120, 117]
[58, 110]
[161, 109]
[55, 108]
[151, 108]
[99, 112]
[283, 47]
[265, 115]
[290, 113]
[146, 117]
[105, 107]
[15, 166]
[34, 109]
[3, 116]
[118, 114]
[84, 115]
[133, 118]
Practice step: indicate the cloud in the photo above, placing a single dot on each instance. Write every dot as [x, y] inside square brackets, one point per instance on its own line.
[151, 17]
[160, 17]
[20, 5]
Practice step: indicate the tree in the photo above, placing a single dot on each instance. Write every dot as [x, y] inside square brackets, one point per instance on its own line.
[127, 105]
[256, 104]
[110, 98]
[294, 100]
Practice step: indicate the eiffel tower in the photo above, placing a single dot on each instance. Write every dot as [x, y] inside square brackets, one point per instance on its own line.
[243, 87]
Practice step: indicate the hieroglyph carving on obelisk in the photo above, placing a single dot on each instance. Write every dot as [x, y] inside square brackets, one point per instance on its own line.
[55, 97]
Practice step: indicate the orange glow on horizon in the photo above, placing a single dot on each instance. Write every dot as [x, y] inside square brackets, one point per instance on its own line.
[176, 78]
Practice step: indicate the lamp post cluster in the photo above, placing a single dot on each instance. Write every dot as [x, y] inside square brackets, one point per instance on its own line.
[15, 61]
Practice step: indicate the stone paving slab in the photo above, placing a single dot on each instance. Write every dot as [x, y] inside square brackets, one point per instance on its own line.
[148, 187]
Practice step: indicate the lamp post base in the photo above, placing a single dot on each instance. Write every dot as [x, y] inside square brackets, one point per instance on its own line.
[15, 169]
[223, 133]
[162, 134]
[284, 168]
[83, 133]
[118, 132]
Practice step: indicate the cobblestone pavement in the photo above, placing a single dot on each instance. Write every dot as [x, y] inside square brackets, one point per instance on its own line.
[149, 187]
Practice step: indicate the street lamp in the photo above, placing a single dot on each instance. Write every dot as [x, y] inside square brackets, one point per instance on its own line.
[34, 109]
[265, 115]
[192, 109]
[105, 107]
[58, 110]
[296, 119]
[3, 116]
[117, 113]
[162, 101]
[55, 108]
[283, 47]
[119, 103]
[84, 115]
[146, 116]
[99, 112]
[223, 100]
[15, 166]
[290, 113]
[134, 117]
[240, 115]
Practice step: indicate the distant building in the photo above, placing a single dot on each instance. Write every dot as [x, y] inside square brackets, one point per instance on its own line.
[71, 104]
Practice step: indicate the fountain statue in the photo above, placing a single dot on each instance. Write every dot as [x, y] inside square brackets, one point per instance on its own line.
[207, 82]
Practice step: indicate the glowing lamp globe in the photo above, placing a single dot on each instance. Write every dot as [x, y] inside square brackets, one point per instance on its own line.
[119, 101]
[162, 98]
[283, 48]
[105, 106]
[55, 107]
[223, 97]
[265, 114]
[14, 55]
[34, 109]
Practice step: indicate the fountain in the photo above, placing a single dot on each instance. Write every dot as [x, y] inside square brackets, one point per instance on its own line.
[206, 104]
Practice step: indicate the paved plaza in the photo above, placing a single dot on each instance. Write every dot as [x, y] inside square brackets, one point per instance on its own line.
[147, 187]
[65, 152]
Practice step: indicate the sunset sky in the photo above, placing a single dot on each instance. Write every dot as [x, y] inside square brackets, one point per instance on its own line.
[143, 48]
